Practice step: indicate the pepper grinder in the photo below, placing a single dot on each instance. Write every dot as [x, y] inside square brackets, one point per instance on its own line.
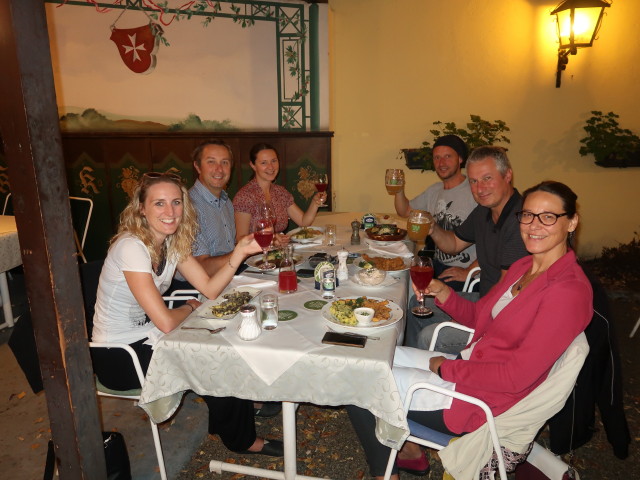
[355, 232]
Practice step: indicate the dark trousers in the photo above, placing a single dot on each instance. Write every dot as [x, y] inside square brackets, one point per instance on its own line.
[229, 417]
[377, 454]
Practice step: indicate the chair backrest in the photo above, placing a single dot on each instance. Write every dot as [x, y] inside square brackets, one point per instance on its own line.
[7, 208]
[81, 211]
[472, 279]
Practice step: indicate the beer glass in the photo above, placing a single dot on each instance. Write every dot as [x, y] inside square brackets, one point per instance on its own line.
[394, 180]
[418, 226]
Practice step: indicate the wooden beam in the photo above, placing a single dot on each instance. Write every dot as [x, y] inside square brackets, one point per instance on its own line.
[30, 133]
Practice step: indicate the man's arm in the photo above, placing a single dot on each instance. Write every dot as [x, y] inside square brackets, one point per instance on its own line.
[446, 240]
[401, 202]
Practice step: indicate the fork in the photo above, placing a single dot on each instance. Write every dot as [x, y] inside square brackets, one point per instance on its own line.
[210, 330]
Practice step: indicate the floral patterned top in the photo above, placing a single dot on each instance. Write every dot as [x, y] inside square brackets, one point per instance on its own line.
[250, 197]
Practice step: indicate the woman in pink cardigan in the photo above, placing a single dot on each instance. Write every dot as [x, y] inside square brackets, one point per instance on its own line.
[522, 326]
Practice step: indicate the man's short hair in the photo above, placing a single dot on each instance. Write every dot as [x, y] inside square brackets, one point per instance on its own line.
[498, 154]
[197, 153]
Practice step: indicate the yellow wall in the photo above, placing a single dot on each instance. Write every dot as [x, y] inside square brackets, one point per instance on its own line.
[397, 66]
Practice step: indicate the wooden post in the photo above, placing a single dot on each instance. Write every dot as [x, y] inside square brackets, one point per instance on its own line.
[29, 129]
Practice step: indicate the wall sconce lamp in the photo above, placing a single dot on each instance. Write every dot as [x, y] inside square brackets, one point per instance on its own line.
[578, 24]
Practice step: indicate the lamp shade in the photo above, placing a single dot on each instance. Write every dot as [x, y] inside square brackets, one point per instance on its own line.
[578, 22]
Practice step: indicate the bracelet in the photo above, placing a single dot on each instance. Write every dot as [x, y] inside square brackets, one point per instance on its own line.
[229, 262]
[193, 309]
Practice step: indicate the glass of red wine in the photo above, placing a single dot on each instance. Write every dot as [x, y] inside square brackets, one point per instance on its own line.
[264, 235]
[421, 275]
[322, 183]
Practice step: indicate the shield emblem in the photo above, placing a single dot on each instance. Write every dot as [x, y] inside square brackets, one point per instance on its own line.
[137, 46]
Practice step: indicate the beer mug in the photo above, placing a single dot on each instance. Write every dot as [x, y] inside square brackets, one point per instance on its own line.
[394, 180]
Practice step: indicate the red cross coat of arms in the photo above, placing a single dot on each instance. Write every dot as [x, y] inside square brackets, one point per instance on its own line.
[137, 46]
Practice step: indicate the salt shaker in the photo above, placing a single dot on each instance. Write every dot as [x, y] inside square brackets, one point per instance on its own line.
[249, 328]
[355, 232]
[343, 273]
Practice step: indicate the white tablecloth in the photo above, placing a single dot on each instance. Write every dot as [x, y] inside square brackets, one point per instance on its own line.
[311, 372]
[9, 245]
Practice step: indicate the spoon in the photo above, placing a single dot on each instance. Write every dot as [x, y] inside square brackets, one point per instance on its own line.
[210, 330]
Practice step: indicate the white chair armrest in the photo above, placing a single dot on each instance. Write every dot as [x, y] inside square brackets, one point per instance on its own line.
[442, 325]
[180, 295]
[471, 280]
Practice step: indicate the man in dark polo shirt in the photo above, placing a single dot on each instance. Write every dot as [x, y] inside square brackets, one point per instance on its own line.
[493, 228]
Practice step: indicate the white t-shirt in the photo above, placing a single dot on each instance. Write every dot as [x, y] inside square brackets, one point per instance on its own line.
[119, 317]
[449, 208]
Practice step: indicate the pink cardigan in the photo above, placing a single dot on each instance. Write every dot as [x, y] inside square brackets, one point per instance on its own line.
[516, 350]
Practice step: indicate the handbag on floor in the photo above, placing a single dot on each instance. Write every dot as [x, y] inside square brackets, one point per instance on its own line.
[115, 455]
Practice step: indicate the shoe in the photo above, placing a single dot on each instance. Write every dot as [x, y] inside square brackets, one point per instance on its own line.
[271, 448]
[415, 466]
[268, 409]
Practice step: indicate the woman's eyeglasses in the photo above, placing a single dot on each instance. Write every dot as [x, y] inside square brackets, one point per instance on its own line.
[154, 175]
[545, 218]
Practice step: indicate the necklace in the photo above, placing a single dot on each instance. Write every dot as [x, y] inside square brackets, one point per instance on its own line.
[525, 280]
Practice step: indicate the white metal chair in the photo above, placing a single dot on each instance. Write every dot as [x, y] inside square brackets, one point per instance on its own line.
[472, 279]
[433, 439]
[6, 209]
[180, 296]
[83, 209]
[131, 395]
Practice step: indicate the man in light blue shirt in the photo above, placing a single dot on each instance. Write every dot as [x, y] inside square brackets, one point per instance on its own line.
[215, 240]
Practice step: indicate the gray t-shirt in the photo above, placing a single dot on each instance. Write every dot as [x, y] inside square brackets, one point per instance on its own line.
[449, 208]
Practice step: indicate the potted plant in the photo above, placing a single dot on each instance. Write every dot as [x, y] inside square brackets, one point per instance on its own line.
[478, 132]
[611, 145]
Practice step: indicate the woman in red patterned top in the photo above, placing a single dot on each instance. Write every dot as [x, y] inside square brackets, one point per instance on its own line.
[261, 189]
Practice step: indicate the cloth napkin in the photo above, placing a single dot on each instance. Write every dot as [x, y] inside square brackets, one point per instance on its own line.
[245, 281]
[398, 249]
[410, 366]
[265, 355]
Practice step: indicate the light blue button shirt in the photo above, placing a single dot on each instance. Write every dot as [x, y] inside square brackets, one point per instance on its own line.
[217, 233]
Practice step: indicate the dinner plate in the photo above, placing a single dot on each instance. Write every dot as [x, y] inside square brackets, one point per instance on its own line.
[311, 239]
[204, 311]
[256, 260]
[406, 260]
[395, 315]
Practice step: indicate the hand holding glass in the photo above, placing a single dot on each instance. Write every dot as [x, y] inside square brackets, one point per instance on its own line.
[421, 275]
[418, 226]
[394, 180]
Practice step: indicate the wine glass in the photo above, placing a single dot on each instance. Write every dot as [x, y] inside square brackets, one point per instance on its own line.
[264, 235]
[394, 180]
[418, 226]
[421, 275]
[322, 183]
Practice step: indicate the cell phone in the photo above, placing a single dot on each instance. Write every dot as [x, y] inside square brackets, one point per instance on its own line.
[305, 273]
[335, 338]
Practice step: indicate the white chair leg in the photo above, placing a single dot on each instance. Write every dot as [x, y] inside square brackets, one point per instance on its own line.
[390, 463]
[156, 441]
[633, 332]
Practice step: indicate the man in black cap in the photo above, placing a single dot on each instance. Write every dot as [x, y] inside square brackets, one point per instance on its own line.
[450, 202]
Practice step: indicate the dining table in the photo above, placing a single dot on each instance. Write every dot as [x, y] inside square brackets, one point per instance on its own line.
[9, 258]
[288, 364]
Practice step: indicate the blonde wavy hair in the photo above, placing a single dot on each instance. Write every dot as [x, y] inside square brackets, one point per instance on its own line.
[178, 245]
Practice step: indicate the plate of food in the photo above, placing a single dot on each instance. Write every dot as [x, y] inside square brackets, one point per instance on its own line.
[339, 313]
[372, 278]
[306, 234]
[275, 257]
[227, 305]
[386, 232]
[386, 263]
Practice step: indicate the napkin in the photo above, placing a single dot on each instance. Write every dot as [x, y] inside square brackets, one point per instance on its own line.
[245, 281]
[259, 353]
[397, 249]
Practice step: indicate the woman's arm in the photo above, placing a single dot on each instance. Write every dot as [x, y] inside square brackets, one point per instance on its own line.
[304, 219]
[147, 295]
[212, 286]
[243, 222]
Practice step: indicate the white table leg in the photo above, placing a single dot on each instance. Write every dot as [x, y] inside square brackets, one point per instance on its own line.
[6, 301]
[290, 458]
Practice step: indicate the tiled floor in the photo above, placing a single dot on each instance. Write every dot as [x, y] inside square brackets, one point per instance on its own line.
[25, 426]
